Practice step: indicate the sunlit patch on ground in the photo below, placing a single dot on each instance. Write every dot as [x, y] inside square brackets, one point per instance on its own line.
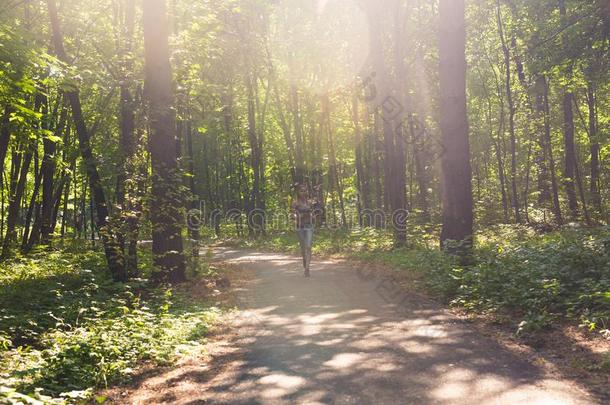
[333, 339]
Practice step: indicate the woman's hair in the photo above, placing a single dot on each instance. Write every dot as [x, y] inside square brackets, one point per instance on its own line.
[297, 186]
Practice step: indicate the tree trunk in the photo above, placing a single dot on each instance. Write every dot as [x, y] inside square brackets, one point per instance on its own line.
[18, 182]
[48, 179]
[498, 142]
[569, 173]
[57, 198]
[541, 159]
[282, 119]
[527, 184]
[398, 128]
[511, 117]
[5, 136]
[127, 146]
[570, 153]
[594, 150]
[579, 180]
[166, 217]
[112, 251]
[549, 145]
[455, 163]
[255, 220]
[193, 230]
[33, 210]
[418, 140]
[317, 175]
[398, 191]
[361, 178]
[64, 216]
[298, 135]
[377, 150]
[333, 172]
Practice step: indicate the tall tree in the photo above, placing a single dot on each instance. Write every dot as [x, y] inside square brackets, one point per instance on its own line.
[127, 143]
[114, 255]
[398, 199]
[48, 178]
[594, 148]
[21, 160]
[5, 136]
[255, 223]
[545, 109]
[165, 214]
[511, 114]
[455, 163]
[569, 172]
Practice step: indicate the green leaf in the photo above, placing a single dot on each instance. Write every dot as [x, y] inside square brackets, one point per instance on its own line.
[54, 138]
[100, 399]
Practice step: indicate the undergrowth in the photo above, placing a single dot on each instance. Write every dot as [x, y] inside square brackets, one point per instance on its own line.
[66, 328]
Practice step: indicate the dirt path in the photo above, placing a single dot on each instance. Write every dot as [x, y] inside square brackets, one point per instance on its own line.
[344, 337]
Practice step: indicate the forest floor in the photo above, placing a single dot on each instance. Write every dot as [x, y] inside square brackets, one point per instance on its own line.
[345, 335]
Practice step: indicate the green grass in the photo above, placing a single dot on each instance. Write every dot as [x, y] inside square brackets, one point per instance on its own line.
[527, 279]
[66, 328]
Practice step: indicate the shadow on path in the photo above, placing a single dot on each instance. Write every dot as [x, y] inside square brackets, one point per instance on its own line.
[342, 338]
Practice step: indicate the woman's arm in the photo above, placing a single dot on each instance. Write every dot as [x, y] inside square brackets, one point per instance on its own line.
[293, 210]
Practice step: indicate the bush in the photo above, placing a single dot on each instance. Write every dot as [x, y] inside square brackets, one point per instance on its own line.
[564, 274]
[67, 328]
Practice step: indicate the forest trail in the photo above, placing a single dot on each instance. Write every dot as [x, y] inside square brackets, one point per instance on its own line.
[342, 337]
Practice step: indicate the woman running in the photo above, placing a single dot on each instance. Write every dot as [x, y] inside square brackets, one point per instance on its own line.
[303, 208]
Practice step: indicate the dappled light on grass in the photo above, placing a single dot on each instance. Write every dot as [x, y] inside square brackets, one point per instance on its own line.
[68, 328]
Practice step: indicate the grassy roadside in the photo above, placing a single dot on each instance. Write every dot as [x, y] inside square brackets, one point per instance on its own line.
[526, 281]
[66, 328]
